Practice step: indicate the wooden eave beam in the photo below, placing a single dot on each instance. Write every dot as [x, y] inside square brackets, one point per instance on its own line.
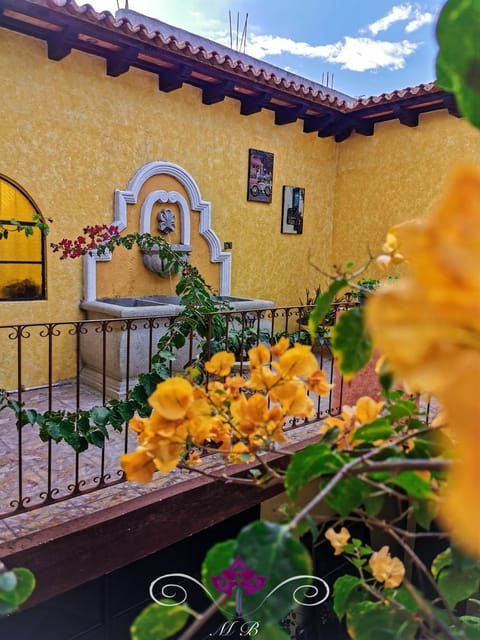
[121, 62]
[173, 79]
[316, 123]
[407, 117]
[214, 93]
[60, 44]
[254, 104]
[288, 115]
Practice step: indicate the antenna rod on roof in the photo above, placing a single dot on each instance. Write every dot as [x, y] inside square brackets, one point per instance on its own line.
[332, 81]
[243, 39]
[230, 22]
[238, 27]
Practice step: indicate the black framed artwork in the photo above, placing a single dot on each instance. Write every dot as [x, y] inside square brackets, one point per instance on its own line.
[292, 209]
[260, 176]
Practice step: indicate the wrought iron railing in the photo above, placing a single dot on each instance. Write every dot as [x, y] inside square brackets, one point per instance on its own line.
[58, 366]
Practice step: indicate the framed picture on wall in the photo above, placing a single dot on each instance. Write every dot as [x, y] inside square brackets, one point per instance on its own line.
[260, 176]
[292, 209]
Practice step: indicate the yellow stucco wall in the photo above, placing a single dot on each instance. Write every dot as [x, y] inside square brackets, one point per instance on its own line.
[397, 174]
[71, 135]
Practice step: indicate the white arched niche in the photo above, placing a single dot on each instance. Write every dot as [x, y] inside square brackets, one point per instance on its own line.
[130, 196]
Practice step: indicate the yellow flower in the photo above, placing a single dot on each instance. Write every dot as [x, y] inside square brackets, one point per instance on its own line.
[220, 364]
[390, 253]
[297, 361]
[423, 322]
[172, 398]
[338, 540]
[292, 395]
[258, 356]
[429, 329]
[280, 347]
[386, 569]
[138, 466]
[367, 410]
[317, 383]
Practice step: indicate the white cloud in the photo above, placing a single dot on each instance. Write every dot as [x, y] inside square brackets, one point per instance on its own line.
[354, 54]
[397, 13]
[419, 20]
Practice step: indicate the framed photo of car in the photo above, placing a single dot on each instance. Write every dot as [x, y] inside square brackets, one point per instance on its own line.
[260, 176]
[292, 209]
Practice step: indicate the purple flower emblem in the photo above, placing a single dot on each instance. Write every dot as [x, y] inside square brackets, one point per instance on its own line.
[236, 579]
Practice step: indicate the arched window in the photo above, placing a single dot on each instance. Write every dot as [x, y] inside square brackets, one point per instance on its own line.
[22, 256]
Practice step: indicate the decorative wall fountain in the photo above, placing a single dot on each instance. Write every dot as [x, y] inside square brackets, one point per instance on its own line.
[109, 350]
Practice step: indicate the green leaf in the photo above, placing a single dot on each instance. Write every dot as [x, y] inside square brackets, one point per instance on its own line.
[8, 581]
[31, 415]
[471, 627]
[6, 608]
[53, 430]
[342, 592]
[323, 304]
[96, 438]
[77, 442]
[100, 415]
[269, 632]
[458, 584]
[424, 512]
[314, 460]
[402, 409]
[378, 621]
[431, 445]
[413, 484]
[462, 561]
[441, 561]
[458, 61]
[219, 558]
[380, 429]
[159, 621]
[271, 551]
[350, 343]
[23, 589]
[347, 495]
[374, 503]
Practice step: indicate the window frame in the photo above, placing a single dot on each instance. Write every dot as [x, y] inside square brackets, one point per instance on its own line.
[42, 262]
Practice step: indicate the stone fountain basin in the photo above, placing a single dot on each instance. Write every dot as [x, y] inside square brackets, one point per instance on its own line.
[159, 306]
[128, 354]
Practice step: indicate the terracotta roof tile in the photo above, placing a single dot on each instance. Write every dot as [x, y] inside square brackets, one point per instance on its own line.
[188, 46]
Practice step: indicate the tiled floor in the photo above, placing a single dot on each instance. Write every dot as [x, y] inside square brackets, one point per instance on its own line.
[38, 456]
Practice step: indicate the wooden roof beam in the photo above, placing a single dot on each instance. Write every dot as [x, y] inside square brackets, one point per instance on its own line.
[121, 62]
[407, 117]
[254, 104]
[173, 79]
[311, 124]
[288, 115]
[216, 92]
[60, 44]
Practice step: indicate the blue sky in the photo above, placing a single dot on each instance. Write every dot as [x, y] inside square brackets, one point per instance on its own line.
[369, 46]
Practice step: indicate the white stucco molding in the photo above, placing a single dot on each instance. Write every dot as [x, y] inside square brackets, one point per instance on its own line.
[122, 198]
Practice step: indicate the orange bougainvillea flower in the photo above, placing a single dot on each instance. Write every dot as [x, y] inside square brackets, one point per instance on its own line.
[366, 410]
[280, 347]
[386, 569]
[138, 466]
[258, 356]
[428, 326]
[337, 540]
[297, 361]
[172, 398]
[220, 364]
[317, 383]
